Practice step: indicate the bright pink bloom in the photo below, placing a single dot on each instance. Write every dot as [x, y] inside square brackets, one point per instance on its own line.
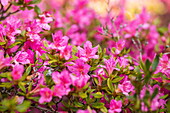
[80, 81]
[21, 57]
[45, 19]
[46, 95]
[115, 106]
[4, 61]
[110, 65]
[62, 78]
[2, 33]
[60, 41]
[4, 2]
[78, 38]
[60, 90]
[17, 72]
[26, 1]
[66, 52]
[119, 46]
[164, 65]
[126, 87]
[100, 72]
[79, 67]
[88, 52]
[123, 62]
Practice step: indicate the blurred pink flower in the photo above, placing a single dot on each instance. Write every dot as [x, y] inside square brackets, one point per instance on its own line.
[115, 106]
[26, 1]
[86, 111]
[4, 61]
[66, 52]
[21, 57]
[88, 52]
[79, 67]
[17, 71]
[4, 2]
[62, 78]
[119, 46]
[46, 95]
[59, 90]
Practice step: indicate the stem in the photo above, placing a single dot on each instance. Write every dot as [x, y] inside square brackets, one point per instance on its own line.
[10, 13]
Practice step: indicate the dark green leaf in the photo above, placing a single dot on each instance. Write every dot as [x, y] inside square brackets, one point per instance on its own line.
[14, 44]
[97, 105]
[37, 10]
[154, 93]
[98, 95]
[110, 85]
[155, 63]
[22, 86]
[117, 79]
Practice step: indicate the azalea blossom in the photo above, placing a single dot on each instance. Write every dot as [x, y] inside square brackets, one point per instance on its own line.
[17, 72]
[88, 52]
[66, 52]
[46, 95]
[4, 61]
[21, 57]
[59, 90]
[4, 2]
[115, 106]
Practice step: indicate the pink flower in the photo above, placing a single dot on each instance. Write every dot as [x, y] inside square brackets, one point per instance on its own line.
[4, 61]
[119, 46]
[44, 20]
[2, 33]
[66, 52]
[26, 1]
[21, 57]
[4, 2]
[60, 90]
[80, 81]
[17, 72]
[46, 95]
[100, 72]
[62, 78]
[60, 41]
[78, 38]
[115, 106]
[123, 62]
[20, 99]
[110, 65]
[79, 67]
[88, 52]
[126, 87]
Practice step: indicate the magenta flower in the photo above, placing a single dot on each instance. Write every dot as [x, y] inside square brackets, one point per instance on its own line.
[46, 95]
[80, 82]
[66, 52]
[86, 111]
[62, 78]
[115, 106]
[4, 2]
[4, 61]
[79, 67]
[126, 87]
[26, 1]
[60, 90]
[100, 72]
[88, 52]
[17, 72]
[119, 46]
[60, 41]
[21, 57]
[110, 65]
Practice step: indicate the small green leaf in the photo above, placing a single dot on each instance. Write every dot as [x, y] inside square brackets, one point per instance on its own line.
[37, 10]
[99, 50]
[22, 8]
[43, 57]
[45, 43]
[163, 97]
[29, 7]
[2, 43]
[155, 63]
[109, 84]
[3, 108]
[23, 33]
[98, 95]
[78, 104]
[154, 93]
[147, 64]
[30, 86]
[83, 95]
[14, 44]
[22, 86]
[117, 79]
[97, 105]
[24, 106]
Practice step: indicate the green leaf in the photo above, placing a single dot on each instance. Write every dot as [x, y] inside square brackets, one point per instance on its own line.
[113, 50]
[155, 63]
[154, 93]
[30, 86]
[45, 43]
[110, 85]
[37, 10]
[24, 106]
[22, 8]
[139, 75]
[99, 50]
[83, 95]
[34, 2]
[29, 7]
[3, 108]
[147, 64]
[2, 43]
[23, 33]
[106, 98]
[117, 79]
[14, 44]
[104, 110]
[50, 56]
[97, 105]
[74, 50]
[22, 86]
[43, 57]
[78, 104]
[6, 84]
[98, 95]
[86, 86]
[163, 97]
